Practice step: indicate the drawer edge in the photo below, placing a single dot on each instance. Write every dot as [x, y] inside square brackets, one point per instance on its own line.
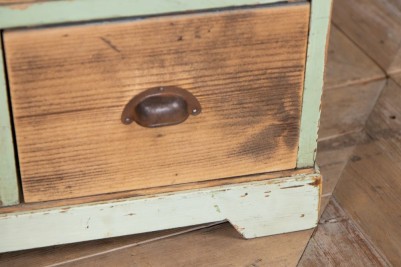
[9, 190]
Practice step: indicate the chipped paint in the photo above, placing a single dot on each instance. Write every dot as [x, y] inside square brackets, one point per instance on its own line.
[293, 186]
[19, 6]
[316, 183]
[217, 208]
[313, 83]
[253, 216]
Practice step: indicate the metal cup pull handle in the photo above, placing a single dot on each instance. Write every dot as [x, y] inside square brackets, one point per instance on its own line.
[161, 106]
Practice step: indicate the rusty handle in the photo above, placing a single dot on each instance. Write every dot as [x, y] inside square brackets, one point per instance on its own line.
[161, 106]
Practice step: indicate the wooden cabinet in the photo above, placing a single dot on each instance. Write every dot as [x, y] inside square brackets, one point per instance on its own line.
[253, 136]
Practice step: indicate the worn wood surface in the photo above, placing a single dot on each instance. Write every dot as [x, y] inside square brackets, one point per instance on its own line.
[332, 157]
[374, 25]
[347, 64]
[216, 246]
[69, 86]
[152, 191]
[346, 109]
[314, 75]
[352, 84]
[9, 190]
[55, 255]
[254, 209]
[337, 241]
[370, 186]
[396, 78]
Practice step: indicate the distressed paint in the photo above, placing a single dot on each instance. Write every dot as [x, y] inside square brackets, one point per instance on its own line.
[63, 11]
[254, 209]
[314, 74]
[9, 194]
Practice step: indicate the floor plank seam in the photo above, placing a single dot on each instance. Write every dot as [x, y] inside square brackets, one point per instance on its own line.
[359, 82]
[136, 244]
[362, 50]
[306, 245]
[369, 242]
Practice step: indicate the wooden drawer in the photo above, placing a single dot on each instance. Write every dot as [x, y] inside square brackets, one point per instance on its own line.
[69, 86]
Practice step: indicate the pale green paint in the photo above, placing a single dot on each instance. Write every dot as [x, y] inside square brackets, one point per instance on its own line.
[314, 74]
[63, 11]
[292, 205]
[8, 176]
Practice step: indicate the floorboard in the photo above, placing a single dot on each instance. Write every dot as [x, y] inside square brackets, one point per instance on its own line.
[374, 25]
[220, 245]
[338, 242]
[370, 187]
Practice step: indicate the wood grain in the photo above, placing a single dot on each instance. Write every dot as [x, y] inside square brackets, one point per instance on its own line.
[73, 252]
[374, 25]
[333, 155]
[347, 64]
[69, 86]
[346, 109]
[220, 240]
[216, 246]
[396, 78]
[370, 186]
[337, 241]
[369, 191]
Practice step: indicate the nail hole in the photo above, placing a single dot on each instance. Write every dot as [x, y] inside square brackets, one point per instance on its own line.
[393, 117]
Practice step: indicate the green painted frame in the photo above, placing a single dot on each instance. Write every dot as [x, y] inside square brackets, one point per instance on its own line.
[313, 84]
[43, 13]
[9, 193]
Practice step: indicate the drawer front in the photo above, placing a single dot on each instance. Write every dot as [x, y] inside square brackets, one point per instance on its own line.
[69, 86]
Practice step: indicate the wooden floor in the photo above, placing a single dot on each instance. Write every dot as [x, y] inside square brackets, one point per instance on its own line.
[359, 153]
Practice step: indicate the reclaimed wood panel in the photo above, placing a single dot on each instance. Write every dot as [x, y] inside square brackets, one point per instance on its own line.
[69, 86]
[337, 241]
